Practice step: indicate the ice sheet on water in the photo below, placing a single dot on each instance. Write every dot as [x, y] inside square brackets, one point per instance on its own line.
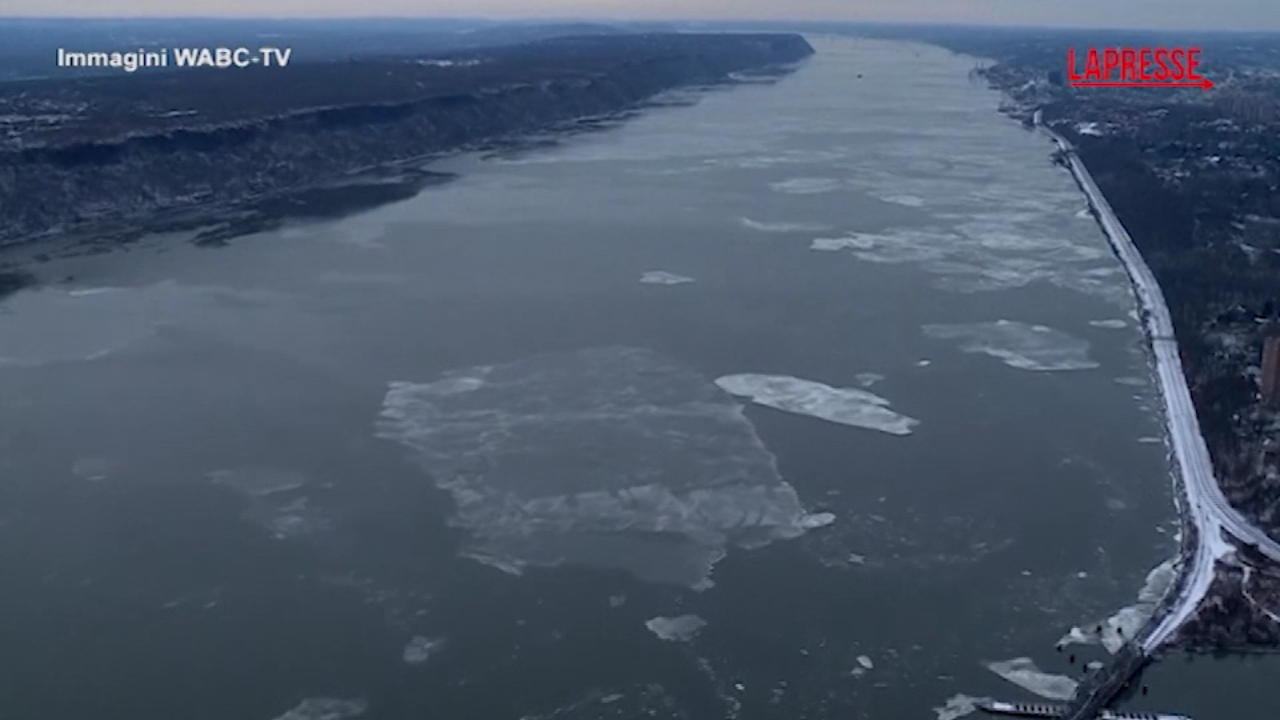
[1127, 620]
[323, 708]
[1019, 345]
[991, 251]
[662, 277]
[419, 649]
[867, 379]
[86, 292]
[93, 469]
[89, 324]
[757, 161]
[806, 185]
[1024, 673]
[682, 628]
[610, 457]
[847, 406]
[853, 240]
[901, 246]
[783, 227]
[292, 518]
[649, 701]
[274, 503]
[258, 481]
[1112, 324]
[907, 200]
[52, 325]
[957, 706]
[360, 278]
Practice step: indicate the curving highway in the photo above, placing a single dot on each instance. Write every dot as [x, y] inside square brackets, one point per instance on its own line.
[1201, 500]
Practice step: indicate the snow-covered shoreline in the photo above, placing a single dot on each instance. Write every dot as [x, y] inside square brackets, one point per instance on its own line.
[1200, 499]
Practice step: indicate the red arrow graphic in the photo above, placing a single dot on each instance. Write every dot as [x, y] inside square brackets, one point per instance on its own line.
[1202, 83]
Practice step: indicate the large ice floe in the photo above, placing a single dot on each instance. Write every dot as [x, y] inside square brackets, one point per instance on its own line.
[1019, 345]
[847, 406]
[611, 457]
[1024, 673]
[676, 629]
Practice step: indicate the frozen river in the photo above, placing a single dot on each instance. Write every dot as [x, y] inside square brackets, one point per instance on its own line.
[815, 399]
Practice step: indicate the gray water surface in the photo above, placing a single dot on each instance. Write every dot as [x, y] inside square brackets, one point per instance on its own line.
[835, 372]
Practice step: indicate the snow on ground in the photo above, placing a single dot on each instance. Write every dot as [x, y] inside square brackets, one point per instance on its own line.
[662, 277]
[682, 628]
[846, 406]
[1024, 673]
[1248, 576]
[1201, 497]
[1019, 345]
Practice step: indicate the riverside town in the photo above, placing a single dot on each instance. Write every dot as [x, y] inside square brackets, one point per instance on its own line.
[1159, 66]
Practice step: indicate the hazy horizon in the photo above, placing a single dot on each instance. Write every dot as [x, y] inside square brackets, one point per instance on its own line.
[1245, 15]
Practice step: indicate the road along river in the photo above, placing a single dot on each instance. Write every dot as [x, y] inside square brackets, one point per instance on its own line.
[1201, 500]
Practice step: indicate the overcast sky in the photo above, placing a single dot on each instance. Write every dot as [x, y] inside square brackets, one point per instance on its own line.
[1186, 14]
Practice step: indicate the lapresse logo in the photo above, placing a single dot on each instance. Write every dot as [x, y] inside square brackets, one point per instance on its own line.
[1136, 67]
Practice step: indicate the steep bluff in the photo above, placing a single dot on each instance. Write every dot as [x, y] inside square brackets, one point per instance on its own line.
[118, 156]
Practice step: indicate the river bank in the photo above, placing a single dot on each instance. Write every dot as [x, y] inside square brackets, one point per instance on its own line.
[1206, 513]
[113, 160]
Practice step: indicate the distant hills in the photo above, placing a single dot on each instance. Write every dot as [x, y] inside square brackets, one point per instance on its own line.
[28, 47]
